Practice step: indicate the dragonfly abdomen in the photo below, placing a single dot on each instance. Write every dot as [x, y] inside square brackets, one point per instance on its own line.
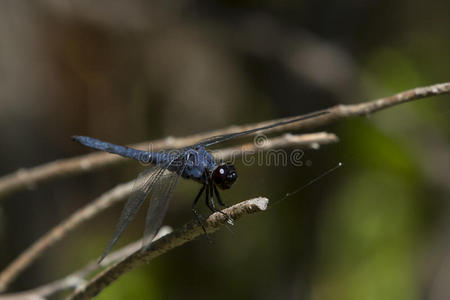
[143, 156]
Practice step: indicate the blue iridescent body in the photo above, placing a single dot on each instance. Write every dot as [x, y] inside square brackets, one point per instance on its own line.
[198, 161]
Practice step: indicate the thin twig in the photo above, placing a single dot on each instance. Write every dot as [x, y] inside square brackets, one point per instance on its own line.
[186, 233]
[73, 280]
[79, 277]
[311, 140]
[80, 216]
[122, 191]
[24, 178]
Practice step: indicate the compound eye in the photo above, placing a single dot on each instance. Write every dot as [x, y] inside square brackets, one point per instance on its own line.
[232, 176]
[224, 176]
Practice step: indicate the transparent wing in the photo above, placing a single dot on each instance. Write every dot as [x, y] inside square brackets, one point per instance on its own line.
[141, 189]
[159, 202]
[221, 138]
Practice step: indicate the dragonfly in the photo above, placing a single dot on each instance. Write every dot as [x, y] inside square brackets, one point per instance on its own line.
[158, 182]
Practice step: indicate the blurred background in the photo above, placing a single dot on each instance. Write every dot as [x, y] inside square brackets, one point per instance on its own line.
[129, 71]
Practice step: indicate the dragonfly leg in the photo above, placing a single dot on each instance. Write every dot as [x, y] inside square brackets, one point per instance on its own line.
[216, 192]
[197, 215]
[212, 206]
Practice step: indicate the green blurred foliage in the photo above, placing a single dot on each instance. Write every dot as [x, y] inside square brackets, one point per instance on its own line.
[134, 285]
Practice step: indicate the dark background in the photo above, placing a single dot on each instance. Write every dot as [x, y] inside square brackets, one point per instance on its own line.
[129, 71]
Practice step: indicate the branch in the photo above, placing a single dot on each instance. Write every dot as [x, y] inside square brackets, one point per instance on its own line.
[78, 278]
[131, 256]
[80, 216]
[186, 233]
[122, 191]
[24, 178]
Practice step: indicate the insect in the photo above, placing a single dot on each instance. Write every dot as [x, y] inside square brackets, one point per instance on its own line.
[158, 182]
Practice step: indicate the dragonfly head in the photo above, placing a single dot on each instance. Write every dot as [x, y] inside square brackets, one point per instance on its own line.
[224, 176]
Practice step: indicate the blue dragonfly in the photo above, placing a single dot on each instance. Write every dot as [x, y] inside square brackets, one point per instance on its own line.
[158, 182]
